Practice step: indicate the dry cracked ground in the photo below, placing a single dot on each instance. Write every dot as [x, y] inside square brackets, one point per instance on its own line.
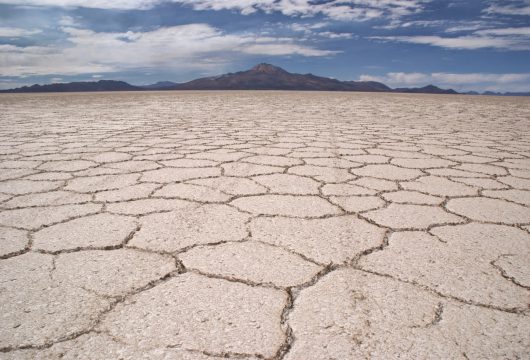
[264, 226]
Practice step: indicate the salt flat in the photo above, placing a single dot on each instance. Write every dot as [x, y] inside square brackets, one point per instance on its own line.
[264, 225]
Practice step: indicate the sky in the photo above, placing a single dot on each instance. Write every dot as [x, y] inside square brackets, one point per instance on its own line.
[461, 44]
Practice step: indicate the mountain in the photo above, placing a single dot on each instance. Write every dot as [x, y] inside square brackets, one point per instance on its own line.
[161, 85]
[260, 77]
[516, 93]
[491, 93]
[374, 85]
[101, 85]
[269, 77]
[429, 89]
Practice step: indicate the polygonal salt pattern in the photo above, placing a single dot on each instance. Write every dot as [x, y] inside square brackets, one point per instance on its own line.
[264, 225]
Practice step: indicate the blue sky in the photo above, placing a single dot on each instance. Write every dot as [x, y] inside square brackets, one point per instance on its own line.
[463, 44]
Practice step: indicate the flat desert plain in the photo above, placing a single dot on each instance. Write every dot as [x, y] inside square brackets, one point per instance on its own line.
[264, 225]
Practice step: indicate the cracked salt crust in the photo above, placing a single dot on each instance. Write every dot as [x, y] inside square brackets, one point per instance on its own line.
[99, 183]
[192, 192]
[288, 184]
[46, 199]
[345, 190]
[439, 186]
[96, 231]
[456, 262]
[357, 203]
[251, 261]
[286, 205]
[247, 169]
[348, 313]
[232, 185]
[193, 311]
[111, 273]
[21, 187]
[12, 241]
[263, 225]
[405, 216]
[322, 173]
[190, 225]
[388, 172]
[492, 210]
[331, 240]
[34, 218]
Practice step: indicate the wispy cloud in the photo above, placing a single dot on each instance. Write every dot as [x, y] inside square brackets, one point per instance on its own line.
[523, 31]
[316, 30]
[13, 32]
[10, 84]
[193, 46]
[395, 24]
[67, 21]
[97, 4]
[334, 35]
[509, 7]
[445, 25]
[359, 10]
[277, 49]
[502, 38]
[397, 78]
[466, 26]
[308, 27]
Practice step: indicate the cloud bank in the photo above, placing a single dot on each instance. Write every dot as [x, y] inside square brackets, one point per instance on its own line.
[192, 46]
[359, 10]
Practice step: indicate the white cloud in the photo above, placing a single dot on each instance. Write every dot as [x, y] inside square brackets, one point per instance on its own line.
[462, 82]
[40, 60]
[395, 24]
[308, 28]
[334, 35]
[398, 78]
[469, 42]
[67, 21]
[285, 49]
[524, 31]
[359, 10]
[98, 4]
[314, 30]
[449, 26]
[10, 84]
[520, 7]
[14, 32]
[467, 26]
[474, 78]
[193, 46]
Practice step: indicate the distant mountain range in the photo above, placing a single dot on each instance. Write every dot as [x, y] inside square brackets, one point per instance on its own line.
[102, 85]
[260, 77]
[492, 93]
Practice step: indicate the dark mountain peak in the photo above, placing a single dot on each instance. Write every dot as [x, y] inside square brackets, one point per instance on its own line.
[436, 90]
[429, 89]
[267, 69]
[159, 85]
